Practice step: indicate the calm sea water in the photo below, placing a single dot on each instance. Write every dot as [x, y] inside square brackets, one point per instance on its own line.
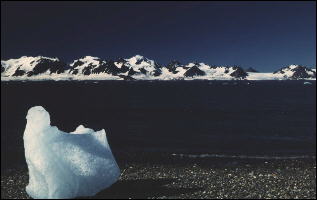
[226, 117]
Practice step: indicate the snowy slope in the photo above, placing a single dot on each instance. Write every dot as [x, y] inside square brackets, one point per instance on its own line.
[263, 76]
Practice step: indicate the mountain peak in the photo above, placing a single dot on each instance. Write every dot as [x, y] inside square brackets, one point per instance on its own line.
[138, 57]
[88, 58]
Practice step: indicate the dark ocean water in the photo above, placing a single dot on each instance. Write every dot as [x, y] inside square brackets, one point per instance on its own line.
[216, 117]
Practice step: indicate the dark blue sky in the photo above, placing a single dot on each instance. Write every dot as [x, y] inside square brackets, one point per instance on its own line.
[263, 35]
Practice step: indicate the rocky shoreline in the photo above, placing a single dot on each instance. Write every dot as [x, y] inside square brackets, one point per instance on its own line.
[154, 175]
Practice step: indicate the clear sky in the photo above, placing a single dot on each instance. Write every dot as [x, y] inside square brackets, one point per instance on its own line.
[262, 35]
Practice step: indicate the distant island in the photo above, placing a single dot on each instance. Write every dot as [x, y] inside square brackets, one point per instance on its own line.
[137, 68]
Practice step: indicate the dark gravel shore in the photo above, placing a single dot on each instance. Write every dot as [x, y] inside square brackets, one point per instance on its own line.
[168, 176]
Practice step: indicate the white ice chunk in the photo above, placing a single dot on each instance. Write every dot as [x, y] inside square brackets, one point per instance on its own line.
[64, 165]
[82, 130]
[307, 83]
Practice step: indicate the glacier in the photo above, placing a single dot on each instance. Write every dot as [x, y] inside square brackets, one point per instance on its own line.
[66, 165]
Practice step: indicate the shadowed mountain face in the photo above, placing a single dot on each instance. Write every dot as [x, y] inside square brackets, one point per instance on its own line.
[108, 67]
[301, 72]
[137, 68]
[45, 65]
[239, 73]
[172, 66]
[19, 72]
[194, 71]
[250, 69]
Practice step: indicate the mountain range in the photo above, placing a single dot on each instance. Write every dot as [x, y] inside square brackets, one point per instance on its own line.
[137, 68]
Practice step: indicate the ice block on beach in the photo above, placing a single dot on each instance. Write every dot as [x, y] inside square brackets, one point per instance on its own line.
[66, 165]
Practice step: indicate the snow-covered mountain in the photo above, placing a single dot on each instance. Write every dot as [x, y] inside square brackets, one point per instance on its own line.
[136, 68]
[296, 72]
[175, 70]
[95, 66]
[32, 66]
[140, 67]
[291, 72]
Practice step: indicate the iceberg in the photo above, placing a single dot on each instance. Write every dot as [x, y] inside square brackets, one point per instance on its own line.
[66, 165]
[307, 83]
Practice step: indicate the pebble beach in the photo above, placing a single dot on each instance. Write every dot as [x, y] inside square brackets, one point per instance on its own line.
[164, 176]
